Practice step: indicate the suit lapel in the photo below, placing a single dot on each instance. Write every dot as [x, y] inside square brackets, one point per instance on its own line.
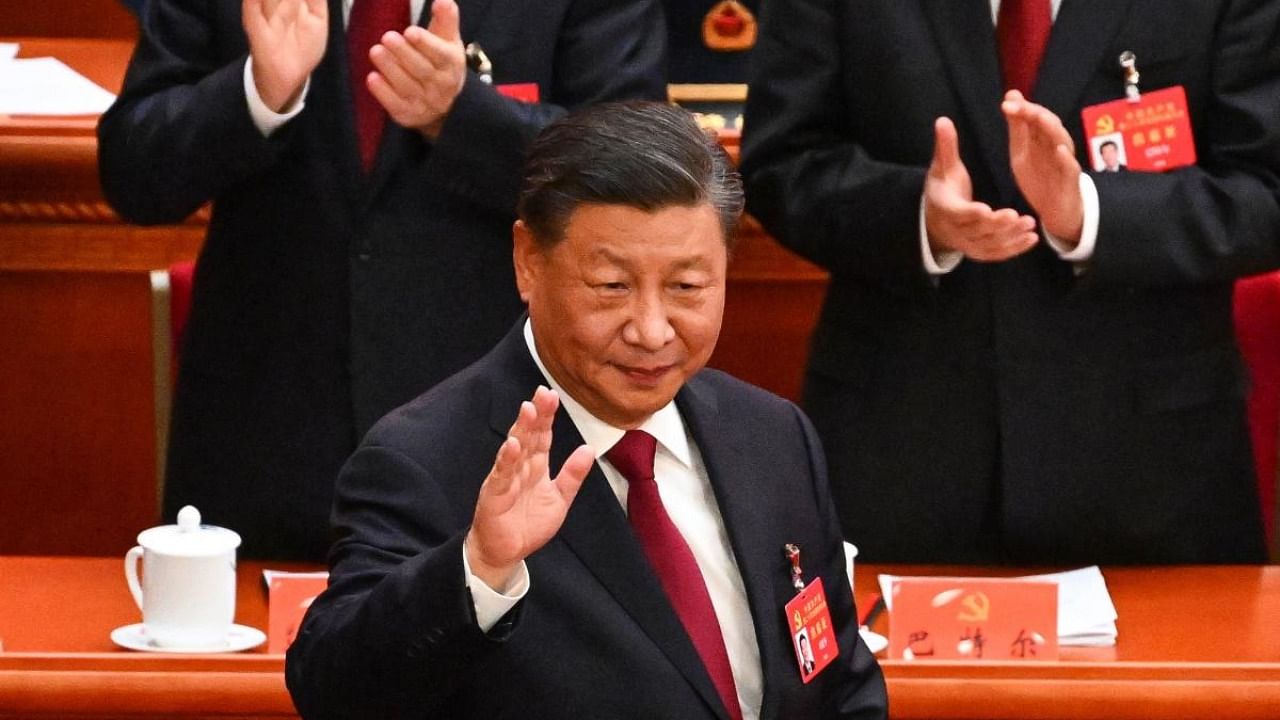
[471, 12]
[965, 35]
[738, 485]
[1081, 36]
[331, 84]
[597, 532]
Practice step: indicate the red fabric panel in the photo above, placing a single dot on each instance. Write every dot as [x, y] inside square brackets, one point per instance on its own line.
[180, 278]
[1257, 320]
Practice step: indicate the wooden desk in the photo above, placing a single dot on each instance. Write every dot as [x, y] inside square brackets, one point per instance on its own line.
[1195, 643]
[77, 438]
[56, 616]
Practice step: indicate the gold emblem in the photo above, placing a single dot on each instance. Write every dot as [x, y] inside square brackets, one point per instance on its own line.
[729, 27]
[975, 608]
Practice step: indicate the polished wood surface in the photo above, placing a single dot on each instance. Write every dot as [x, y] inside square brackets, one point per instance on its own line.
[67, 18]
[77, 473]
[1195, 643]
[56, 616]
[77, 437]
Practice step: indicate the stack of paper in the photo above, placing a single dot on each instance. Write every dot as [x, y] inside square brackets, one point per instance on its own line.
[46, 86]
[1086, 614]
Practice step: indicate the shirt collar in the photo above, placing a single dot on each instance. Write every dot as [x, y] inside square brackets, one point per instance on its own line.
[665, 425]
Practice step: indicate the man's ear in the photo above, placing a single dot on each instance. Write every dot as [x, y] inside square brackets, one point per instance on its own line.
[525, 254]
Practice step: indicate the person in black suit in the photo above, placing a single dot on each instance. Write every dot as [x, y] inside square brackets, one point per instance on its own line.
[489, 569]
[1109, 153]
[1017, 361]
[350, 264]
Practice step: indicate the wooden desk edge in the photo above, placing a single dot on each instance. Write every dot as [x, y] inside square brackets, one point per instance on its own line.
[1056, 698]
[125, 683]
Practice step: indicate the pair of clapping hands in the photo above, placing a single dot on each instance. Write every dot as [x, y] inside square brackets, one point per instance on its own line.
[1043, 160]
[417, 73]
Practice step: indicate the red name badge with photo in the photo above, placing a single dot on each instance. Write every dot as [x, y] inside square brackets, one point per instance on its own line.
[524, 92]
[1150, 134]
[973, 619]
[812, 636]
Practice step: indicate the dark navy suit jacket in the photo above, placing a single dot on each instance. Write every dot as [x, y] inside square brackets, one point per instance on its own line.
[395, 634]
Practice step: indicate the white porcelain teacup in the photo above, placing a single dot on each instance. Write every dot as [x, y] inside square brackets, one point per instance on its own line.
[187, 593]
[850, 552]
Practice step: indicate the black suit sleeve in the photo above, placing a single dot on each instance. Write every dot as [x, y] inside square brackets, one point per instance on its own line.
[1219, 219]
[395, 633]
[856, 689]
[809, 181]
[180, 133]
[606, 50]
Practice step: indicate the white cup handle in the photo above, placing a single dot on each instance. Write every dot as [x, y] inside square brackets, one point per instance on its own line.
[131, 559]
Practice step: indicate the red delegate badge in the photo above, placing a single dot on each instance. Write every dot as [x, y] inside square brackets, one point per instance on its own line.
[524, 92]
[1151, 133]
[809, 621]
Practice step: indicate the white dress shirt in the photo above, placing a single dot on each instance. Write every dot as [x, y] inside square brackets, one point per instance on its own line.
[686, 494]
[944, 262]
[267, 120]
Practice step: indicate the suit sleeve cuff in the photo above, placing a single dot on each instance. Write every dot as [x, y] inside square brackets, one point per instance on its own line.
[943, 262]
[1083, 250]
[492, 604]
[264, 118]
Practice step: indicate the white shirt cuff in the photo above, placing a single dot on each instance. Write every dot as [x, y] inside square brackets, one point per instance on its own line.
[492, 604]
[1088, 228]
[264, 118]
[943, 262]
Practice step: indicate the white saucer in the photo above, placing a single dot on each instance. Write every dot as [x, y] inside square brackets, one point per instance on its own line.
[239, 637]
[875, 641]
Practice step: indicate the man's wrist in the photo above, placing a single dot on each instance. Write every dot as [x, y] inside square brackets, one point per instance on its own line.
[497, 577]
[937, 261]
[264, 118]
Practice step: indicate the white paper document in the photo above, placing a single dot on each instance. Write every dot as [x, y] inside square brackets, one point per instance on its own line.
[46, 86]
[1086, 615]
[8, 51]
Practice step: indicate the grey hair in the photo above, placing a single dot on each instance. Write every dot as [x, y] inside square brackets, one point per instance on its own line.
[646, 155]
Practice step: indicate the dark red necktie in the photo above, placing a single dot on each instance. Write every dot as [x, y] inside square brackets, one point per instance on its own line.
[1022, 29]
[672, 560]
[369, 20]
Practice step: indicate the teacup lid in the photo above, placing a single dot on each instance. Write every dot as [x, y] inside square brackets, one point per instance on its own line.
[188, 537]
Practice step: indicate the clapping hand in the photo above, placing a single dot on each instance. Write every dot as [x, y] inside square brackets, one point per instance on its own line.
[286, 42]
[419, 73]
[955, 222]
[1043, 159]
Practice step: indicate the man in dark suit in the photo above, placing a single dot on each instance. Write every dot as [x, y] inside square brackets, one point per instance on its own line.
[650, 585]
[1109, 153]
[1017, 361]
[363, 187]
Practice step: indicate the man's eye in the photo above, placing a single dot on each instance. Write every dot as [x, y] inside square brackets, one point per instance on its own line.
[687, 286]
